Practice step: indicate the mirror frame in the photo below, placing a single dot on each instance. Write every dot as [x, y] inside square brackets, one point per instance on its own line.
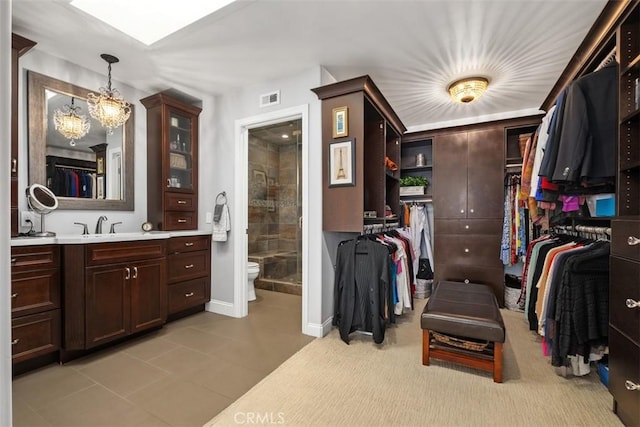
[37, 122]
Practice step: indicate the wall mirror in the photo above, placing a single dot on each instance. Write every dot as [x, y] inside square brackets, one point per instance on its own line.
[94, 172]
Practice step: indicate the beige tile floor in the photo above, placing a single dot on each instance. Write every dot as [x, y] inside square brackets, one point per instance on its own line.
[180, 375]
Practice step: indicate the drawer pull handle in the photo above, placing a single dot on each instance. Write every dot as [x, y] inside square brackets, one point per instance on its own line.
[14, 165]
[188, 266]
[135, 272]
[471, 210]
[466, 227]
[188, 244]
[127, 273]
[190, 294]
[168, 182]
[182, 202]
[14, 295]
[182, 220]
[631, 386]
[466, 250]
[13, 260]
[632, 303]
[632, 241]
[467, 281]
[461, 210]
[17, 340]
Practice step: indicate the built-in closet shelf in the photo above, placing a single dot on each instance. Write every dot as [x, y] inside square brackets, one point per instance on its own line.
[390, 175]
[630, 166]
[417, 197]
[633, 115]
[416, 168]
[633, 65]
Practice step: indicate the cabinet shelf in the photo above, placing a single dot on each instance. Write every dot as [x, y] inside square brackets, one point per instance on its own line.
[633, 65]
[631, 116]
[631, 166]
[416, 168]
[391, 175]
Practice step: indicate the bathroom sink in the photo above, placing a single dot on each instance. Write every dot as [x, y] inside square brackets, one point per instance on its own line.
[110, 237]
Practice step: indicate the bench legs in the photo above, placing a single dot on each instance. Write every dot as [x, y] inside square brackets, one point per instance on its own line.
[494, 365]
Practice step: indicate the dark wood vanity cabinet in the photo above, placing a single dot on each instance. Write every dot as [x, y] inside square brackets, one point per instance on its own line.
[35, 301]
[19, 46]
[172, 162]
[188, 272]
[116, 289]
[468, 206]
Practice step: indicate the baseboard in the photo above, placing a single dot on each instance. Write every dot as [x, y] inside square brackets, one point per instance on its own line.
[220, 307]
[318, 330]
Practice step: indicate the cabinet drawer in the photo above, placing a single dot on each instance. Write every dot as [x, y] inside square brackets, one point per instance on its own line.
[189, 294]
[35, 335]
[35, 291]
[621, 232]
[472, 250]
[109, 253]
[470, 226]
[624, 284]
[624, 365]
[180, 221]
[188, 244]
[188, 265]
[29, 258]
[493, 277]
[179, 202]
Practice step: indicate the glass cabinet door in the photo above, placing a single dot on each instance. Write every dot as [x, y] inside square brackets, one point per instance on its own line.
[180, 151]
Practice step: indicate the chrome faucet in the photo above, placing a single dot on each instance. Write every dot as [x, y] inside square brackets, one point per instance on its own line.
[99, 224]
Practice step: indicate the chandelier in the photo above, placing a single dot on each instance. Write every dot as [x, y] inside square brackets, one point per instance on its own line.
[467, 90]
[109, 107]
[70, 123]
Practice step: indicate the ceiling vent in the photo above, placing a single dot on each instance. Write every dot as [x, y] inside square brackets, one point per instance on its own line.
[271, 98]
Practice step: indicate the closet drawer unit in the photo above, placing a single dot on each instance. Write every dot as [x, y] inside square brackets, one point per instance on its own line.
[29, 258]
[35, 291]
[180, 221]
[188, 294]
[625, 289]
[625, 239]
[624, 371]
[188, 244]
[470, 226]
[110, 253]
[188, 266]
[471, 250]
[35, 335]
[180, 202]
[493, 277]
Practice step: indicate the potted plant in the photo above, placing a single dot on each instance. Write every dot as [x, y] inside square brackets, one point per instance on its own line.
[413, 185]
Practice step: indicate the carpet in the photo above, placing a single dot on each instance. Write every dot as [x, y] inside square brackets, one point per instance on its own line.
[330, 383]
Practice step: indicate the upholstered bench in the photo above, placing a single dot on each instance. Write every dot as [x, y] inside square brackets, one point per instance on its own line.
[461, 323]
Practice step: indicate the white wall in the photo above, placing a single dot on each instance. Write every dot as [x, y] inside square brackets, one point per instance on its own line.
[5, 222]
[61, 221]
[243, 103]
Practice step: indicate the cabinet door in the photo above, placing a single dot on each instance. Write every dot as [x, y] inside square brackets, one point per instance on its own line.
[182, 136]
[107, 303]
[450, 176]
[148, 294]
[485, 196]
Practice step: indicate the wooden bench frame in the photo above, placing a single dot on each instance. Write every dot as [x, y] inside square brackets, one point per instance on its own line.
[491, 363]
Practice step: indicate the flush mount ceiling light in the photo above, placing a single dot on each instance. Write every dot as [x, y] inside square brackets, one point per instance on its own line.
[70, 123]
[469, 89]
[108, 107]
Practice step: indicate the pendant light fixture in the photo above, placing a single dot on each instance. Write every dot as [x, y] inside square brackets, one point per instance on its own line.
[108, 107]
[70, 123]
[468, 90]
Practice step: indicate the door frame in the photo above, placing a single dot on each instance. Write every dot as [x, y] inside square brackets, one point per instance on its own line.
[240, 217]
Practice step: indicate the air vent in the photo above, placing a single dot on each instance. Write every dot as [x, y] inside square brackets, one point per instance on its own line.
[272, 98]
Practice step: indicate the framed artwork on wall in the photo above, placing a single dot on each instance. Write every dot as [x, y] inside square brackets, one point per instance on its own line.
[260, 177]
[340, 122]
[342, 163]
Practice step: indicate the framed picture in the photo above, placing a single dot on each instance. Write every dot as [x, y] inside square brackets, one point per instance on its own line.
[260, 178]
[100, 165]
[100, 187]
[342, 163]
[340, 122]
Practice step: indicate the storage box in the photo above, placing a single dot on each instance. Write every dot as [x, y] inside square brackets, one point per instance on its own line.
[412, 191]
[603, 371]
[602, 204]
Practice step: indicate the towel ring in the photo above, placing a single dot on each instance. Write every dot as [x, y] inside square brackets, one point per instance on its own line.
[222, 194]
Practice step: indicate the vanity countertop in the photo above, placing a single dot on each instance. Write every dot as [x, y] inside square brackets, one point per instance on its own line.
[71, 239]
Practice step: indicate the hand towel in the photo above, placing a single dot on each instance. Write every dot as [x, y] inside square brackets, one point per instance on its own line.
[222, 227]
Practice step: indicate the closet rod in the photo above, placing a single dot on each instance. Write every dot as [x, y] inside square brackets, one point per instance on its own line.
[75, 167]
[610, 57]
[585, 229]
[424, 200]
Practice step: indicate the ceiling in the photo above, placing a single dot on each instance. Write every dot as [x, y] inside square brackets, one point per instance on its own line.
[411, 49]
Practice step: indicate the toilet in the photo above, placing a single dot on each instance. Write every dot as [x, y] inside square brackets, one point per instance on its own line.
[253, 270]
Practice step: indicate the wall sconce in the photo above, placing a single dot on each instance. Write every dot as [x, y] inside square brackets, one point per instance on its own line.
[70, 123]
[469, 89]
[109, 107]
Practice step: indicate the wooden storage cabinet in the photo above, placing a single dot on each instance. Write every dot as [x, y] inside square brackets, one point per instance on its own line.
[414, 147]
[117, 289]
[375, 131]
[172, 162]
[189, 272]
[35, 301]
